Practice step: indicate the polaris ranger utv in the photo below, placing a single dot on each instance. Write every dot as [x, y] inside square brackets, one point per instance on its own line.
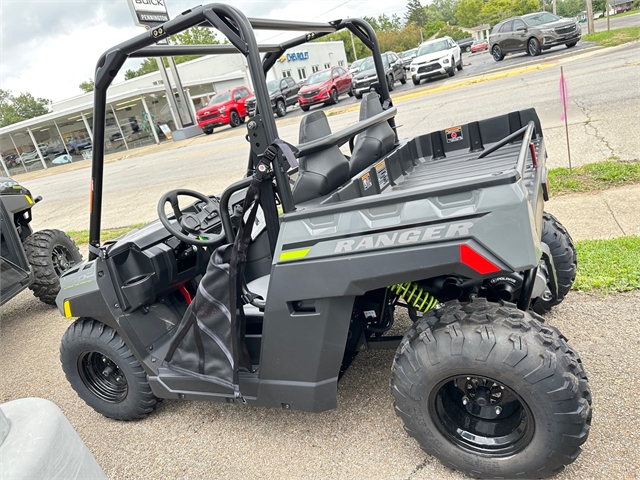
[265, 294]
[27, 259]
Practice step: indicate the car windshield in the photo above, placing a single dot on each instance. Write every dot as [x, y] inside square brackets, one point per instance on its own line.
[408, 53]
[433, 47]
[541, 18]
[319, 77]
[273, 86]
[221, 98]
[356, 64]
[367, 64]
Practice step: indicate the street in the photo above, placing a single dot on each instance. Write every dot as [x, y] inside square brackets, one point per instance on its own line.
[604, 95]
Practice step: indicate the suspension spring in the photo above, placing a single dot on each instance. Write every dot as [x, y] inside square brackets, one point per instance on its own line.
[415, 296]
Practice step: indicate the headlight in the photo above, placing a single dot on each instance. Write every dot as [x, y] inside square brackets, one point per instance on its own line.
[547, 30]
[413, 68]
[445, 60]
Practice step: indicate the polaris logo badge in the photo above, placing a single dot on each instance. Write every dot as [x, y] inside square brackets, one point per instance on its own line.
[422, 234]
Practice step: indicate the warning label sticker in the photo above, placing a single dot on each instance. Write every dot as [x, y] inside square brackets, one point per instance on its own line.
[366, 181]
[383, 175]
[454, 134]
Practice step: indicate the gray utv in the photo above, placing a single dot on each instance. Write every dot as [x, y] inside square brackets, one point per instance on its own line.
[264, 295]
[28, 259]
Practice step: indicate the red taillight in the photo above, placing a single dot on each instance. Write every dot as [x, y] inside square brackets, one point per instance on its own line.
[473, 259]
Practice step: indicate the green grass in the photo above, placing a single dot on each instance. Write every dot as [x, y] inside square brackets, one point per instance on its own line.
[615, 36]
[608, 265]
[618, 15]
[82, 236]
[593, 177]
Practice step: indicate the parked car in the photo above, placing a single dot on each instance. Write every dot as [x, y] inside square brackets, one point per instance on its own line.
[224, 108]
[479, 46]
[407, 56]
[436, 57]
[353, 68]
[324, 86]
[465, 44]
[533, 33]
[283, 93]
[366, 77]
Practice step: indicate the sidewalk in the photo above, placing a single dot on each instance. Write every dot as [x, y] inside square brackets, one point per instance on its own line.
[607, 214]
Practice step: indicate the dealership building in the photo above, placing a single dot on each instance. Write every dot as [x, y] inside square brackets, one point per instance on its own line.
[138, 112]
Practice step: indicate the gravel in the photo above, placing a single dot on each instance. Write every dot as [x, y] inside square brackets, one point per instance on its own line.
[362, 438]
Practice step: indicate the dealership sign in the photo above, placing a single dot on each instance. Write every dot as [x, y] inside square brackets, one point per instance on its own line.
[293, 57]
[149, 13]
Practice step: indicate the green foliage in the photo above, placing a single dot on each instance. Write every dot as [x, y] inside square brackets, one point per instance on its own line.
[616, 36]
[399, 40]
[384, 23]
[345, 37]
[571, 8]
[608, 265]
[192, 36]
[416, 13]
[87, 86]
[471, 13]
[433, 27]
[82, 236]
[593, 177]
[23, 107]
[452, 31]
[446, 9]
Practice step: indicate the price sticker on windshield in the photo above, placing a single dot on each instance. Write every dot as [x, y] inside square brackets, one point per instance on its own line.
[454, 134]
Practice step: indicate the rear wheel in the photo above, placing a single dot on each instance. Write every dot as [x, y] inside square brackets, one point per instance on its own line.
[50, 254]
[497, 53]
[103, 371]
[235, 119]
[565, 261]
[533, 47]
[491, 391]
[334, 97]
[459, 66]
[281, 108]
[390, 82]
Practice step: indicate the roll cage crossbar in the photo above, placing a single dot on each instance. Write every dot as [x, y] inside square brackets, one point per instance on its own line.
[239, 30]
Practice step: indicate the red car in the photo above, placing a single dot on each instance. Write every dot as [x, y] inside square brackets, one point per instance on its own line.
[224, 108]
[479, 46]
[325, 87]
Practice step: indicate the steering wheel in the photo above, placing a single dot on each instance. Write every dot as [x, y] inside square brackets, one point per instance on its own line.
[193, 226]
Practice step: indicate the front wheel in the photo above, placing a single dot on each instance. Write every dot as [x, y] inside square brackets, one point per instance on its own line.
[103, 371]
[459, 66]
[533, 47]
[235, 119]
[416, 81]
[491, 391]
[390, 83]
[572, 44]
[304, 108]
[208, 131]
[452, 71]
[50, 253]
[281, 108]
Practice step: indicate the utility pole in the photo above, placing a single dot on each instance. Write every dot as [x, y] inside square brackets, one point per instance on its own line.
[606, 5]
[353, 45]
[590, 26]
[554, 7]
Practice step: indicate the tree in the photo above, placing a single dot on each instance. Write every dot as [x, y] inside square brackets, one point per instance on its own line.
[468, 12]
[192, 36]
[447, 9]
[23, 107]
[416, 13]
[87, 86]
[432, 28]
[452, 31]
[343, 36]
[399, 40]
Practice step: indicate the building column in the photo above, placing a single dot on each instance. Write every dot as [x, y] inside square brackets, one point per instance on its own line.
[176, 78]
[4, 166]
[192, 106]
[171, 100]
[150, 120]
[64, 144]
[86, 125]
[115, 117]
[19, 154]
[35, 144]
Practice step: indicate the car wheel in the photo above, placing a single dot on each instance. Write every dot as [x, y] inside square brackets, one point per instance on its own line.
[452, 71]
[496, 51]
[235, 119]
[571, 45]
[403, 79]
[468, 49]
[533, 47]
[390, 82]
[334, 97]
[350, 92]
[459, 66]
[304, 108]
[281, 108]
[208, 131]
[358, 96]
[416, 81]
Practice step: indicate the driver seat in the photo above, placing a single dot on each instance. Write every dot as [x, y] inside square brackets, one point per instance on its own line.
[375, 142]
[322, 172]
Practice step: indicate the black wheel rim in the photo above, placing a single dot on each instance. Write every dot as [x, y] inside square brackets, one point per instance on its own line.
[62, 259]
[481, 415]
[235, 119]
[102, 377]
[496, 53]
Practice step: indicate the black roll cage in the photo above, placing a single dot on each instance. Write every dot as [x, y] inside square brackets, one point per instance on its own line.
[234, 25]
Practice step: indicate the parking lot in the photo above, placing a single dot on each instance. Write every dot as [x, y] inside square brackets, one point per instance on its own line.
[362, 438]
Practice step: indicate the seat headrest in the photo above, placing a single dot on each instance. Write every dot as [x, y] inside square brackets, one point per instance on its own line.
[370, 106]
[314, 126]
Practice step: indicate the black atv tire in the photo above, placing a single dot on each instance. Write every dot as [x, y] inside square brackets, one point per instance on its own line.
[478, 348]
[50, 253]
[565, 261]
[124, 394]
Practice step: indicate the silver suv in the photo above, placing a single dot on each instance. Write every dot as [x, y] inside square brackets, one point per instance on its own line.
[533, 33]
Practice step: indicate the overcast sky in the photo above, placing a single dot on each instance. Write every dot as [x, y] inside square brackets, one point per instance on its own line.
[48, 47]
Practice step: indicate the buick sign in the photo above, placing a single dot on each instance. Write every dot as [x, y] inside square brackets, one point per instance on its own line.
[149, 13]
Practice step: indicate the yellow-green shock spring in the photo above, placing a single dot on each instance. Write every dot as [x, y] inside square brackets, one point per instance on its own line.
[415, 296]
